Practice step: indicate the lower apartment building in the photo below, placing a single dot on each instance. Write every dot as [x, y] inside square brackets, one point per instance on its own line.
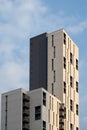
[34, 110]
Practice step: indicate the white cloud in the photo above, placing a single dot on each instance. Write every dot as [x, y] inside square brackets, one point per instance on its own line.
[13, 74]
[79, 27]
[17, 21]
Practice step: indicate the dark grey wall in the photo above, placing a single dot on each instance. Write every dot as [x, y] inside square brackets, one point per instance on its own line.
[38, 62]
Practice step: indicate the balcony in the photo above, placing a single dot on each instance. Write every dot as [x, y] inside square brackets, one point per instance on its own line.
[26, 105]
[25, 126]
[61, 122]
[25, 119]
[26, 112]
[61, 127]
[26, 98]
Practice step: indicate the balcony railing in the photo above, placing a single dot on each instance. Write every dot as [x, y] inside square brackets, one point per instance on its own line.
[25, 126]
[26, 105]
[26, 112]
[26, 119]
[26, 98]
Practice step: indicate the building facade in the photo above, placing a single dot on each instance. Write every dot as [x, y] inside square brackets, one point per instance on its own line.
[33, 110]
[54, 61]
[53, 100]
[15, 110]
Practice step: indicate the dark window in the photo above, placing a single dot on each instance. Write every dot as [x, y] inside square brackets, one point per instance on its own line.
[71, 58]
[52, 40]
[64, 62]
[64, 38]
[71, 105]
[77, 128]
[52, 64]
[64, 112]
[77, 109]
[76, 64]
[52, 88]
[44, 125]
[44, 98]
[54, 52]
[64, 87]
[71, 81]
[71, 126]
[37, 112]
[54, 76]
[76, 86]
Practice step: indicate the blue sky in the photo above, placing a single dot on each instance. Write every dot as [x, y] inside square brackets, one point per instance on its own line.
[22, 19]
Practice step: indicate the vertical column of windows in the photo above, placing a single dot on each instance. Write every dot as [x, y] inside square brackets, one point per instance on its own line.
[76, 86]
[76, 64]
[52, 40]
[26, 112]
[53, 69]
[44, 98]
[64, 83]
[64, 38]
[71, 58]
[71, 126]
[52, 64]
[44, 125]
[52, 88]
[54, 52]
[71, 81]
[77, 109]
[64, 62]
[71, 104]
[54, 76]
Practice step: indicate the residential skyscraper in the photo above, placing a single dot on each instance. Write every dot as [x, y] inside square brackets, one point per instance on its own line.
[54, 66]
[53, 100]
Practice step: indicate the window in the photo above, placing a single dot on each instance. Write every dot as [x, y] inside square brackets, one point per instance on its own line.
[52, 40]
[71, 58]
[44, 125]
[76, 64]
[64, 62]
[77, 128]
[52, 64]
[44, 98]
[77, 109]
[37, 112]
[76, 86]
[71, 126]
[64, 87]
[54, 76]
[71, 105]
[71, 81]
[65, 112]
[64, 38]
[54, 52]
[52, 88]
